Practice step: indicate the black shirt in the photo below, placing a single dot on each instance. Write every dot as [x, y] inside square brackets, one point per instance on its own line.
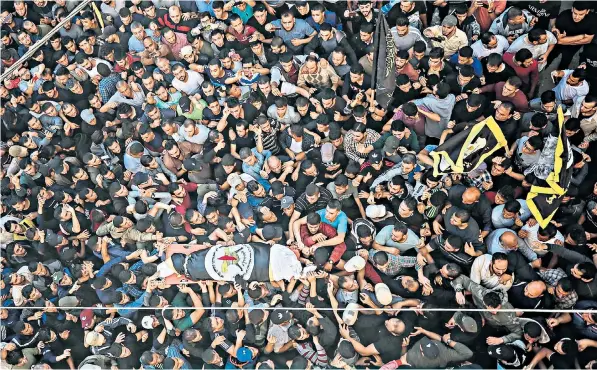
[589, 57]
[261, 28]
[413, 15]
[545, 11]
[373, 331]
[493, 78]
[250, 114]
[565, 23]
[456, 88]
[247, 141]
[461, 113]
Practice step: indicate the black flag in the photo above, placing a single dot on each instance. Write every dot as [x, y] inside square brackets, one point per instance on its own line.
[464, 151]
[384, 63]
[544, 199]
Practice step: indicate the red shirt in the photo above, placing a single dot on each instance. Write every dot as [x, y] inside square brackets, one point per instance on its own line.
[243, 37]
[329, 232]
[186, 201]
[165, 21]
[519, 99]
[529, 75]
[130, 60]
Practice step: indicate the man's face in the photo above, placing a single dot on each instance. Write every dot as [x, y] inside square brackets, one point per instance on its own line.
[281, 111]
[528, 148]
[395, 325]
[492, 44]
[579, 15]
[402, 30]
[180, 74]
[407, 167]
[460, 17]
[237, 25]
[366, 37]
[573, 81]
[261, 16]
[492, 68]
[84, 44]
[527, 63]
[516, 20]
[28, 330]
[404, 211]
[139, 33]
[149, 44]
[311, 67]
[218, 39]
[499, 267]
[542, 40]
[365, 9]
[25, 39]
[175, 14]
[350, 284]
[447, 30]
[463, 80]
[338, 59]
[509, 90]
[30, 27]
[288, 22]
[588, 108]
[455, 221]
[397, 235]
[317, 16]
[331, 213]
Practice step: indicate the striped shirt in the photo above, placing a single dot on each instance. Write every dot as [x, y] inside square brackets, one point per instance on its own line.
[304, 207]
[270, 139]
[318, 358]
[350, 144]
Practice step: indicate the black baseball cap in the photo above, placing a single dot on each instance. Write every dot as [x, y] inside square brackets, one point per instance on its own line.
[185, 104]
[271, 232]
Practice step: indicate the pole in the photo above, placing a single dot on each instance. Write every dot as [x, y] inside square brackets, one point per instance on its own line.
[43, 40]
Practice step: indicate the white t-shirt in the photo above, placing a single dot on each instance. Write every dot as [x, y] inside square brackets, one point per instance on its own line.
[192, 85]
[199, 138]
[296, 147]
[480, 51]
[537, 50]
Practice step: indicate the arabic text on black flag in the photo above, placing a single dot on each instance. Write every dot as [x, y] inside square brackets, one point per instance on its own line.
[384, 63]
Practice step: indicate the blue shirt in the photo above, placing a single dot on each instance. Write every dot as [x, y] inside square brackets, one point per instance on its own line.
[174, 351]
[244, 15]
[328, 17]
[128, 310]
[477, 67]
[498, 220]
[204, 6]
[300, 30]
[258, 165]
[340, 223]
[494, 245]
[136, 45]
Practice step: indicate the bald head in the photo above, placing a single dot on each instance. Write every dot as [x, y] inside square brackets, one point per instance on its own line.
[471, 195]
[509, 240]
[274, 162]
[535, 289]
[174, 10]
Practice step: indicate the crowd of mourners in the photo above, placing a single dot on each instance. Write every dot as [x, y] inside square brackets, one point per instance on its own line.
[142, 126]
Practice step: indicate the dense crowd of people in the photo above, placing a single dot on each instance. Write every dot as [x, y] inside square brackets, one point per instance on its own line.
[147, 143]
